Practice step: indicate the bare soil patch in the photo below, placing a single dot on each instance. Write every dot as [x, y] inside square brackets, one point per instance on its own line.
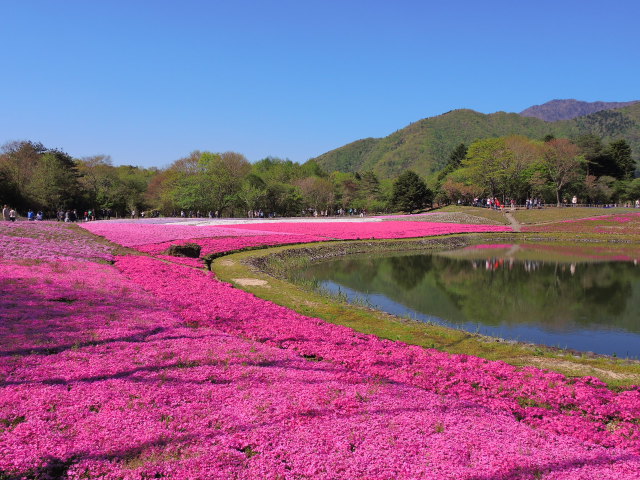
[581, 370]
[251, 282]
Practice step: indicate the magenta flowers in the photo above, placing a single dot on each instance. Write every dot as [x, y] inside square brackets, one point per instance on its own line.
[150, 369]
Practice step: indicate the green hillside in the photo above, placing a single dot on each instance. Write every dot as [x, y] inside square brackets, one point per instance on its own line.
[424, 146]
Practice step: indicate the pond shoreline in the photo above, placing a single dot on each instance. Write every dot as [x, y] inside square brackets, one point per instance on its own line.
[272, 265]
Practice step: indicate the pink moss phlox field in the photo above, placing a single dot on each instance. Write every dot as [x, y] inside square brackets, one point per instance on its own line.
[228, 244]
[134, 234]
[156, 370]
[49, 241]
[156, 238]
[582, 408]
[367, 230]
[127, 390]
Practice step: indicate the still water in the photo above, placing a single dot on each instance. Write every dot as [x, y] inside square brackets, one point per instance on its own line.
[582, 301]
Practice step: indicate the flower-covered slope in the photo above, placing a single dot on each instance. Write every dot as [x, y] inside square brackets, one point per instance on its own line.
[49, 241]
[139, 234]
[366, 230]
[582, 408]
[155, 370]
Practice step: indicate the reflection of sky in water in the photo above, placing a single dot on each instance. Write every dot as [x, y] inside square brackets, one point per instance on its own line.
[581, 306]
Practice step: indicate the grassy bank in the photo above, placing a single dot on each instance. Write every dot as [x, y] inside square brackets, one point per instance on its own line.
[265, 272]
[548, 214]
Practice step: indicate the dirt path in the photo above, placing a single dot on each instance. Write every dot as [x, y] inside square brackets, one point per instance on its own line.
[517, 226]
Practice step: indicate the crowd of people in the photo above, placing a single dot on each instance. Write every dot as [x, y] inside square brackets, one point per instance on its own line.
[494, 203]
[531, 203]
[70, 215]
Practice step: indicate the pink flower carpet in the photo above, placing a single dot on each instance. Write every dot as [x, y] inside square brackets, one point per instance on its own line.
[150, 368]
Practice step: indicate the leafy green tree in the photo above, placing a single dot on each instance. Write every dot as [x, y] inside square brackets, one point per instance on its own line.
[283, 199]
[130, 187]
[207, 181]
[410, 192]
[18, 160]
[38, 177]
[273, 169]
[488, 162]
[54, 182]
[223, 175]
[317, 192]
[100, 183]
[600, 189]
[8, 192]
[185, 183]
[252, 196]
[345, 189]
[458, 186]
[633, 190]
[312, 168]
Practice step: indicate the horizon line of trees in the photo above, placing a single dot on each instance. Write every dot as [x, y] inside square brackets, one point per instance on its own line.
[33, 176]
[553, 170]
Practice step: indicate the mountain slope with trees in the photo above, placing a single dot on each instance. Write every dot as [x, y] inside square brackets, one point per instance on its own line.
[425, 146]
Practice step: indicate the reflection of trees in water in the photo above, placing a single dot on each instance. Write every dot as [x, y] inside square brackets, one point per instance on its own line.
[556, 295]
[604, 286]
[409, 271]
[549, 294]
[360, 270]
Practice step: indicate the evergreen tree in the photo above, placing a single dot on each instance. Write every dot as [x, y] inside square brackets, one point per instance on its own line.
[620, 154]
[457, 155]
[598, 158]
[410, 192]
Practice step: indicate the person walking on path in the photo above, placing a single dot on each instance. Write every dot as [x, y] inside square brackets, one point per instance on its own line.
[5, 213]
[12, 215]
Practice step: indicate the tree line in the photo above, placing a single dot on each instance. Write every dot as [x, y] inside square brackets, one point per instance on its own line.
[33, 176]
[552, 170]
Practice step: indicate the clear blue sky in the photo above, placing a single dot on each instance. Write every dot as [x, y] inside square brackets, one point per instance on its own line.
[147, 82]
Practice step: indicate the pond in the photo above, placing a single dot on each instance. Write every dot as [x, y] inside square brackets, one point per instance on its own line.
[568, 297]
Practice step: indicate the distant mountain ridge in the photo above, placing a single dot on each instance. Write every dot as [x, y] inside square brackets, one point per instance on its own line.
[424, 146]
[568, 109]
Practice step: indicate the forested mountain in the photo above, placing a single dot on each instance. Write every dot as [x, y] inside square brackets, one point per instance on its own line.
[567, 109]
[425, 146]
